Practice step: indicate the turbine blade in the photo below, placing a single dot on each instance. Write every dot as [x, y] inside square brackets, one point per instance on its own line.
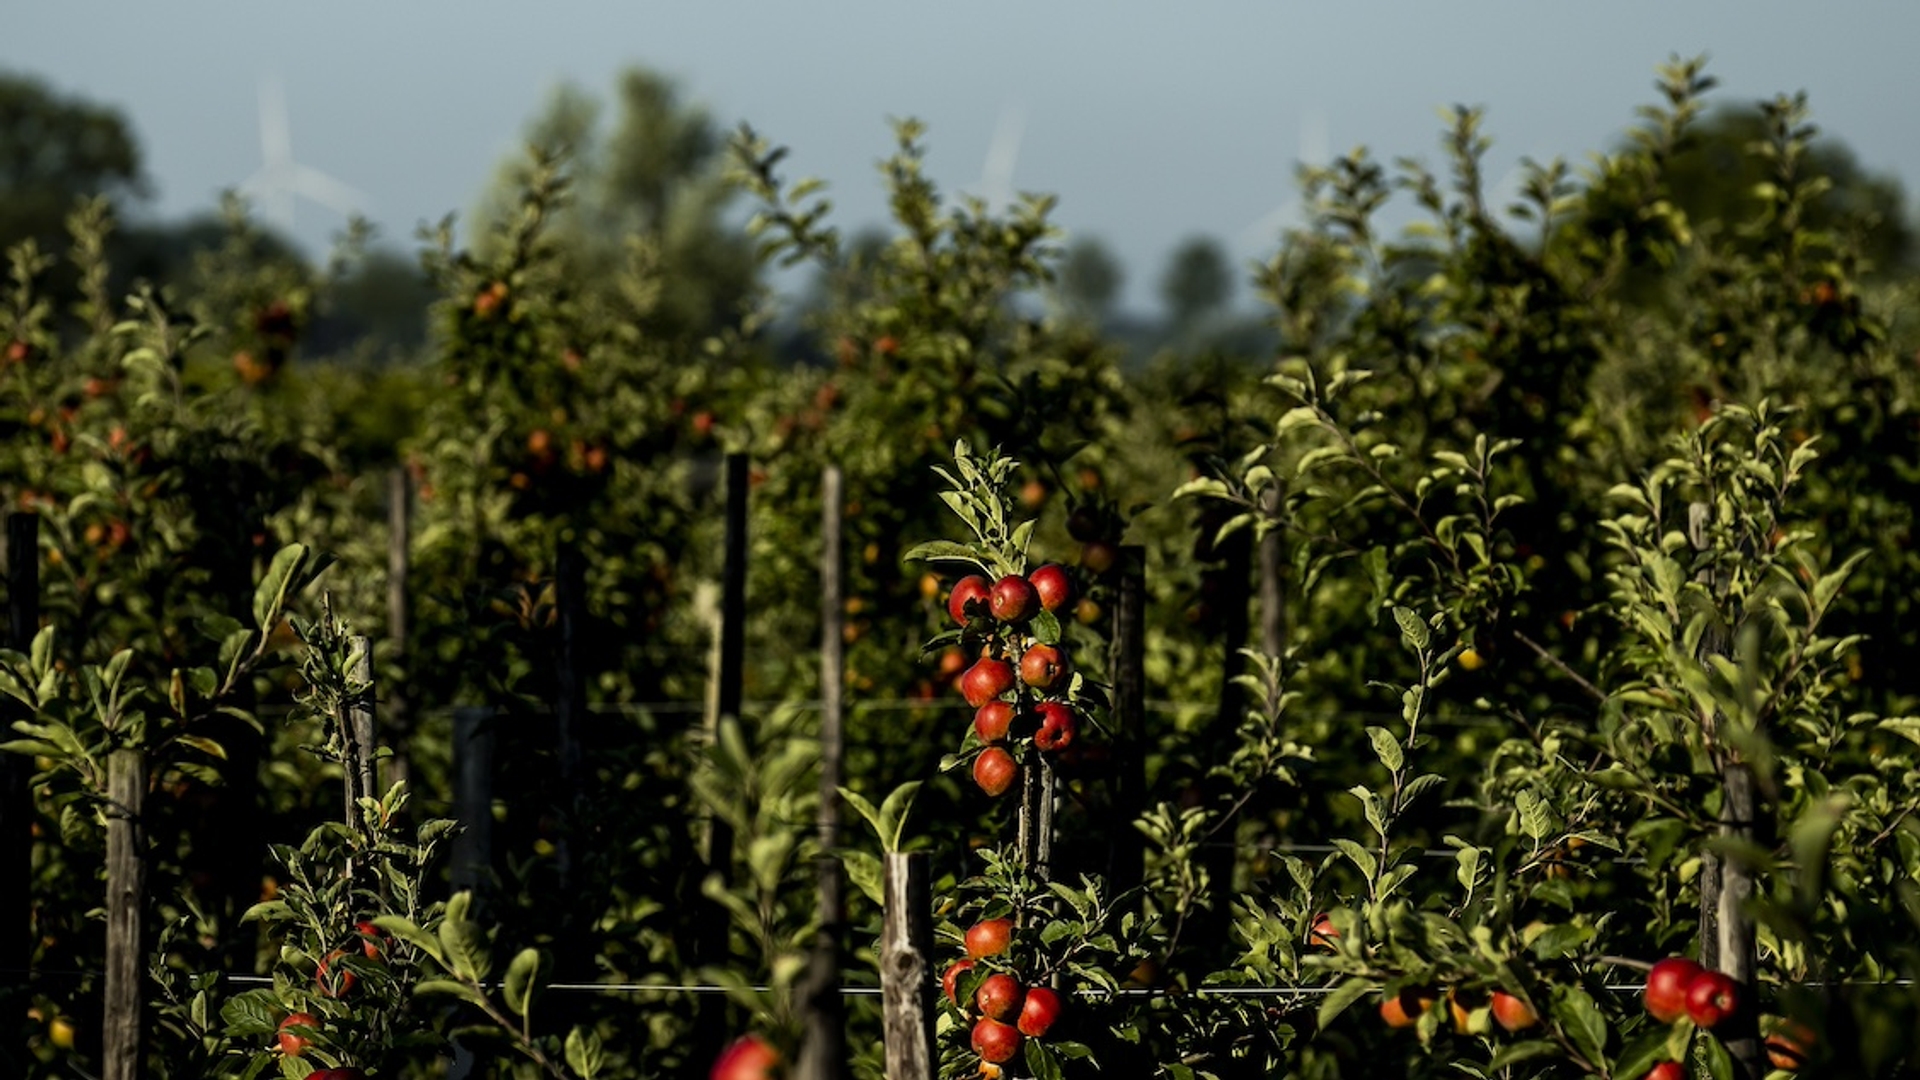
[335, 195]
[276, 134]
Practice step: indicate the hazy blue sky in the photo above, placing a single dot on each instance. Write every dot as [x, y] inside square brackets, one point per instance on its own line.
[1152, 121]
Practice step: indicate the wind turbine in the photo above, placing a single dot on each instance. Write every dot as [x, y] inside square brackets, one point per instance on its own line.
[996, 173]
[1313, 149]
[280, 178]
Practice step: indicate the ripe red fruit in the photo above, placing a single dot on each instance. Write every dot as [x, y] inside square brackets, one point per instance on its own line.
[995, 771]
[1099, 557]
[1042, 667]
[373, 940]
[1053, 585]
[951, 980]
[334, 983]
[1666, 993]
[1324, 934]
[1512, 1013]
[989, 938]
[1039, 1011]
[1789, 1045]
[994, 1041]
[1013, 599]
[967, 591]
[1666, 1070]
[985, 680]
[748, 1057]
[999, 996]
[292, 1043]
[1057, 726]
[992, 721]
[1405, 1008]
[1712, 996]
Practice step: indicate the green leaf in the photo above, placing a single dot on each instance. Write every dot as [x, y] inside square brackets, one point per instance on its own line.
[1642, 1054]
[522, 980]
[1386, 748]
[1046, 627]
[1528, 1051]
[865, 871]
[1413, 631]
[1360, 856]
[584, 1052]
[203, 744]
[451, 988]
[405, 930]
[270, 596]
[1581, 1019]
[1041, 1062]
[1342, 996]
[893, 814]
[935, 551]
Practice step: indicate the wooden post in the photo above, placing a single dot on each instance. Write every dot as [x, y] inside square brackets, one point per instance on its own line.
[1727, 941]
[906, 968]
[16, 771]
[397, 709]
[124, 1009]
[1035, 829]
[570, 703]
[1126, 664]
[823, 1049]
[1273, 595]
[472, 856]
[710, 941]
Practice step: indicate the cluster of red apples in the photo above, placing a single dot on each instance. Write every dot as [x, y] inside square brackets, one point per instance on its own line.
[1005, 1011]
[1677, 987]
[1018, 684]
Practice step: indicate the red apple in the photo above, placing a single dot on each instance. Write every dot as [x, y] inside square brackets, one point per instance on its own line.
[999, 996]
[1666, 1070]
[992, 721]
[1666, 992]
[292, 1043]
[1324, 934]
[994, 1041]
[1042, 667]
[951, 980]
[1053, 585]
[1405, 1008]
[333, 983]
[1712, 996]
[1099, 556]
[1039, 1011]
[373, 940]
[1789, 1044]
[985, 680]
[995, 771]
[1013, 599]
[1057, 726]
[748, 1057]
[989, 938]
[966, 592]
[1512, 1013]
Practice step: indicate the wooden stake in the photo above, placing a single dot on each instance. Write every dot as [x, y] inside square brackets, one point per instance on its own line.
[1727, 941]
[906, 968]
[472, 856]
[397, 710]
[124, 1009]
[1127, 665]
[16, 771]
[823, 1049]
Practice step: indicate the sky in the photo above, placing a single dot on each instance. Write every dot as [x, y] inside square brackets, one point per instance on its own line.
[1152, 122]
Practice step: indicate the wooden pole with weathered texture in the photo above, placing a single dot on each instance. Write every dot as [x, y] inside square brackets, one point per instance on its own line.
[397, 709]
[1727, 940]
[16, 771]
[823, 1048]
[1127, 666]
[906, 968]
[123, 1024]
[710, 919]
[570, 701]
[472, 856]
